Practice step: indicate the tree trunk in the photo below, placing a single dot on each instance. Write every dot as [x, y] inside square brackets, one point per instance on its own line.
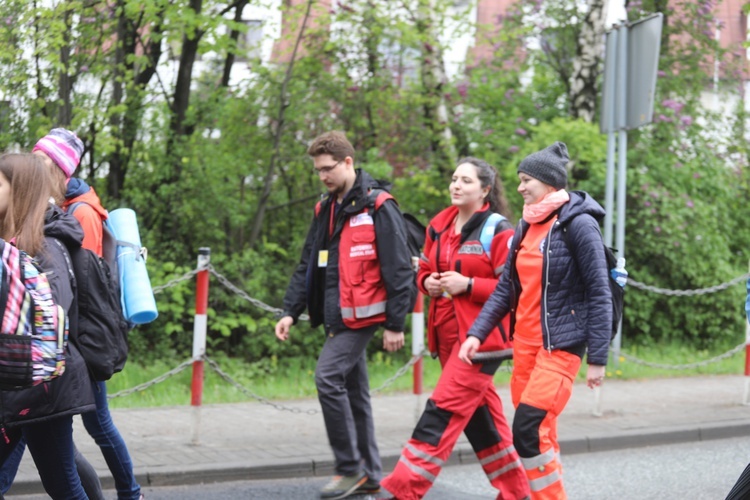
[116, 160]
[234, 36]
[283, 104]
[65, 109]
[435, 109]
[372, 42]
[586, 65]
[126, 125]
[177, 125]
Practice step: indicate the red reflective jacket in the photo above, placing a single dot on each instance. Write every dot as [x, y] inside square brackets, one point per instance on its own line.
[469, 259]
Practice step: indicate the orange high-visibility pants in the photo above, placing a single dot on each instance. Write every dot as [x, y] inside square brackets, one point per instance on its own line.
[464, 400]
[541, 386]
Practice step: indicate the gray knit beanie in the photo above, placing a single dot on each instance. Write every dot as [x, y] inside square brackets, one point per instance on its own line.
[548, 165]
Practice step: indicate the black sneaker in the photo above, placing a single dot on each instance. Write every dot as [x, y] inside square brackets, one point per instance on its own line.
[342, 486]
[369, 487]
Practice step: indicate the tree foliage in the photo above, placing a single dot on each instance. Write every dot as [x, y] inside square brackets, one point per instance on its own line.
[207, 161]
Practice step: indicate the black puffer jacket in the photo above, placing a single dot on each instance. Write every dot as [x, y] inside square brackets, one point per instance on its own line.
[576, 300]
[70, 393]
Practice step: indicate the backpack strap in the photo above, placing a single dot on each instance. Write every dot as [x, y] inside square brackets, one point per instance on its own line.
[489, 231]
[376, 197]
[5, 283]
[433, 233]
[72, 207]
[382, 197]
[13, 260]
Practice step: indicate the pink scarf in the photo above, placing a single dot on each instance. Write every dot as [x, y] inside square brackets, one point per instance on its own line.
[539, 211]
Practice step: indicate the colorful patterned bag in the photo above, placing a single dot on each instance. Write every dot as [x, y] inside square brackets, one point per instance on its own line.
[33, 328]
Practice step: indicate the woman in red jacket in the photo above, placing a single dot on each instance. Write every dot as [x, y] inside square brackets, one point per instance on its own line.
[464, 253]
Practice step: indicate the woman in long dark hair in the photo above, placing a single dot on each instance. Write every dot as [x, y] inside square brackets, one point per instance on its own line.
[464, 254]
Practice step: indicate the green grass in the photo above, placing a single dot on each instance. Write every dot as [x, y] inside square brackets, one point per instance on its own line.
[674, 354]
[294, 378]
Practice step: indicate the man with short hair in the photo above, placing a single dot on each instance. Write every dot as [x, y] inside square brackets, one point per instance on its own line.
[354, 275]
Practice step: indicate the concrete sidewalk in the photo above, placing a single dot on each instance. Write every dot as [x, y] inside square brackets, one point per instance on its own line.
[253, 441]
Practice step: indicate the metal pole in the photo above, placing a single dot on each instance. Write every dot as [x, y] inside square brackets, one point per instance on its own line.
[417, 342]
[199, 338]
[609, 190]
[622, 152]
[746, 398]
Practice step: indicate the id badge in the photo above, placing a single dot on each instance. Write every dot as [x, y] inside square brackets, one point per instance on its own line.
[323, 258]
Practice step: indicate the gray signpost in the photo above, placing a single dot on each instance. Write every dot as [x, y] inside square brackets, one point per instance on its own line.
[630, 65]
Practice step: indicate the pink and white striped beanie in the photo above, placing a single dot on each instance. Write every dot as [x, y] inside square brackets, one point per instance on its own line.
[63, 147]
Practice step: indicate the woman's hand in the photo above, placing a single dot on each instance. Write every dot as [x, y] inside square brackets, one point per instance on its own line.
[595, 375]
[468, 349]
[454, 283]
[432, 284]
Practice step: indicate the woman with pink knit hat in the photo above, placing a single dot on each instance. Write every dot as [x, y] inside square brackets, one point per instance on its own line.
[62, 151]
[63, 148]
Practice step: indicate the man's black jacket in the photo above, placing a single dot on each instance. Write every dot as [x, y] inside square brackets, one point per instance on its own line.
[318, 288]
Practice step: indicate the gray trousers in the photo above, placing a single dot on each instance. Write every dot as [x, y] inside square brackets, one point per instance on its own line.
[344, 395]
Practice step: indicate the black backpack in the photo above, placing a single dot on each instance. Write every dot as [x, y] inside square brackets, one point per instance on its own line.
[102, 329]
[415, 236]
[617, 292]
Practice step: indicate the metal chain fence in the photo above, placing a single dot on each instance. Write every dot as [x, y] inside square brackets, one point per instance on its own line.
[175, 281]
[405, 368]
[399, 373]
[688, 293]
[262, 305]
[247, 392]
[150, 383]
[686, 366]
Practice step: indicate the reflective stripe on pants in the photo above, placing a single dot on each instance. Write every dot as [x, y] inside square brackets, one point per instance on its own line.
[464, 400]
[541, 386]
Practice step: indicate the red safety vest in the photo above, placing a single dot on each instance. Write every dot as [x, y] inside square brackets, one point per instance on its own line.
[362, 294]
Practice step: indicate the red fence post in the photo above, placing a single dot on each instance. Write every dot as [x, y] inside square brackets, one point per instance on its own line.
[417, 341]
[199, 335]
[199, 325]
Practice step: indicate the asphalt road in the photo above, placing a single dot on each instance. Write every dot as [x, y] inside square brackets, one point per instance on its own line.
[694, 471]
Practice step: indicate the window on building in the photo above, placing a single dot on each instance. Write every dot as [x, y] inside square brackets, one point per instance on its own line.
[249, 43]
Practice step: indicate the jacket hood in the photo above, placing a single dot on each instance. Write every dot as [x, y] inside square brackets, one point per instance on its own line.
[62, 226]
[76, 187]
[363, 185]
[580, 203]
[79, 191]
[359, 191]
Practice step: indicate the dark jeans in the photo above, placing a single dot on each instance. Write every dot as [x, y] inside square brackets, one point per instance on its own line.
[89, 478]
[51, 447]
[344, 394]
[100, 426]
